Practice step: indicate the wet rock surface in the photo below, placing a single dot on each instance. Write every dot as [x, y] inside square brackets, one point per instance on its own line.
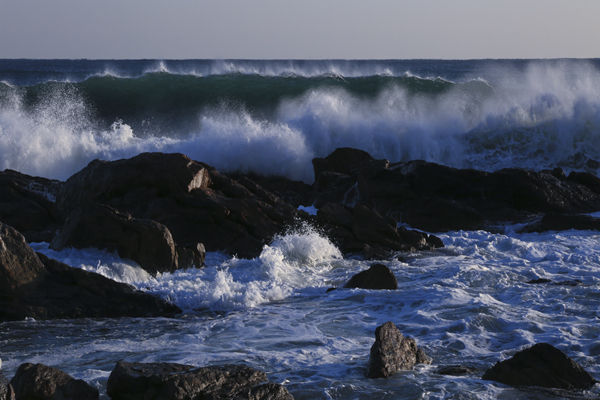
[144, 241]
[6, 390]
[132, 381]
[540, 365]
[193, 200]
[378, 276]
[40, 382]
[36, 286]
[27, 204]
[393, 352]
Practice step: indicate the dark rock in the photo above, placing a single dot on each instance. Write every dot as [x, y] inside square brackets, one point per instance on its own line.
[19, 264]
[147, 242]
[540, 365]
[439, 198]
[455, 370]
[36, 286]
[40, 382]
[6, 390]
[586, 179]
[378, 276]
[132, 381]
[27, 204]
[363, 230]
[538, 281]
[191, 256]
[193, 200]
[393, 352]
[560, 222]
[295, 193]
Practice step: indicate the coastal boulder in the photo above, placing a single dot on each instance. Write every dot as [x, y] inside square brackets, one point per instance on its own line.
[560, 222]
[393, 352]
[144, 241]
[540, 365]
[19, 265]
[40, 382]
[28, 204]
[197, 203]
[6, 390]
[33, 285]
[133, 381]
[363, 230]
[378, 276]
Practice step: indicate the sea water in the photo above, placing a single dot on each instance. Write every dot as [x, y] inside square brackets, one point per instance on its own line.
[468, 303]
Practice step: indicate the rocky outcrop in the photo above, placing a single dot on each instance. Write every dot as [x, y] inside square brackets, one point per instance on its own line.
[40, 382]
[363, 230]
[193, 200]
[144, 241]
[27, 204]
[33, 285]
[19, 265]
[6, 390]
[393, 352]
[132, 381]
[561, 222]
[378, 276]
[540, 365]
[439, 198]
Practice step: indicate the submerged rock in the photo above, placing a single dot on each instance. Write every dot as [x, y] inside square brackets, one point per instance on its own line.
[32, 285]
[540, 365]
[393, 352]
[455, 370]
[40, 382]
[133, 381]
[378, 276]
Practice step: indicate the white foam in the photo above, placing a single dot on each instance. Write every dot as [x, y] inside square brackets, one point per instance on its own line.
[541, 117]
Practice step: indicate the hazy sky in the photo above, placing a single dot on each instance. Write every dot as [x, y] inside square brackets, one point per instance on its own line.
[299, 28]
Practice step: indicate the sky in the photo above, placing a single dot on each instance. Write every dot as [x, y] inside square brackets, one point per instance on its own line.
[454, 29]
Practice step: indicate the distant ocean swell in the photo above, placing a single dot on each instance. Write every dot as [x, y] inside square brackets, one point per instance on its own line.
[540, 115]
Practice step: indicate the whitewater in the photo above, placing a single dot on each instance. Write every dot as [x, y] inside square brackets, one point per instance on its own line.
[468, 303]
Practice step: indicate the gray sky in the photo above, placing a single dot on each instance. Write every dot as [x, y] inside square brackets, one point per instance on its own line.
[299, 28]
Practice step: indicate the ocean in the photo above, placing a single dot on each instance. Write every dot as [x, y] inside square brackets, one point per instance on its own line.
[467, 303]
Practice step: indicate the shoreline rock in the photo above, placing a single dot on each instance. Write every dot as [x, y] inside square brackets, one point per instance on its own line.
[133, 381]
[393, 352]
[38, 381]
[378, 276]
[540, 365]
[33, 285]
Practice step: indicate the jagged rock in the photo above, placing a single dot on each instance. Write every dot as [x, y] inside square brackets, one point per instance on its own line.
[6, 390]
[27, 204]
[191, 256]
[193, 200]
[33, 285]
[393, 352]
[19, 264]
[133, 381]
[363, 230]
[378, 276]
[144, 241]
[439, 198]
[40, 382]
[560, 222]
[540, 365]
